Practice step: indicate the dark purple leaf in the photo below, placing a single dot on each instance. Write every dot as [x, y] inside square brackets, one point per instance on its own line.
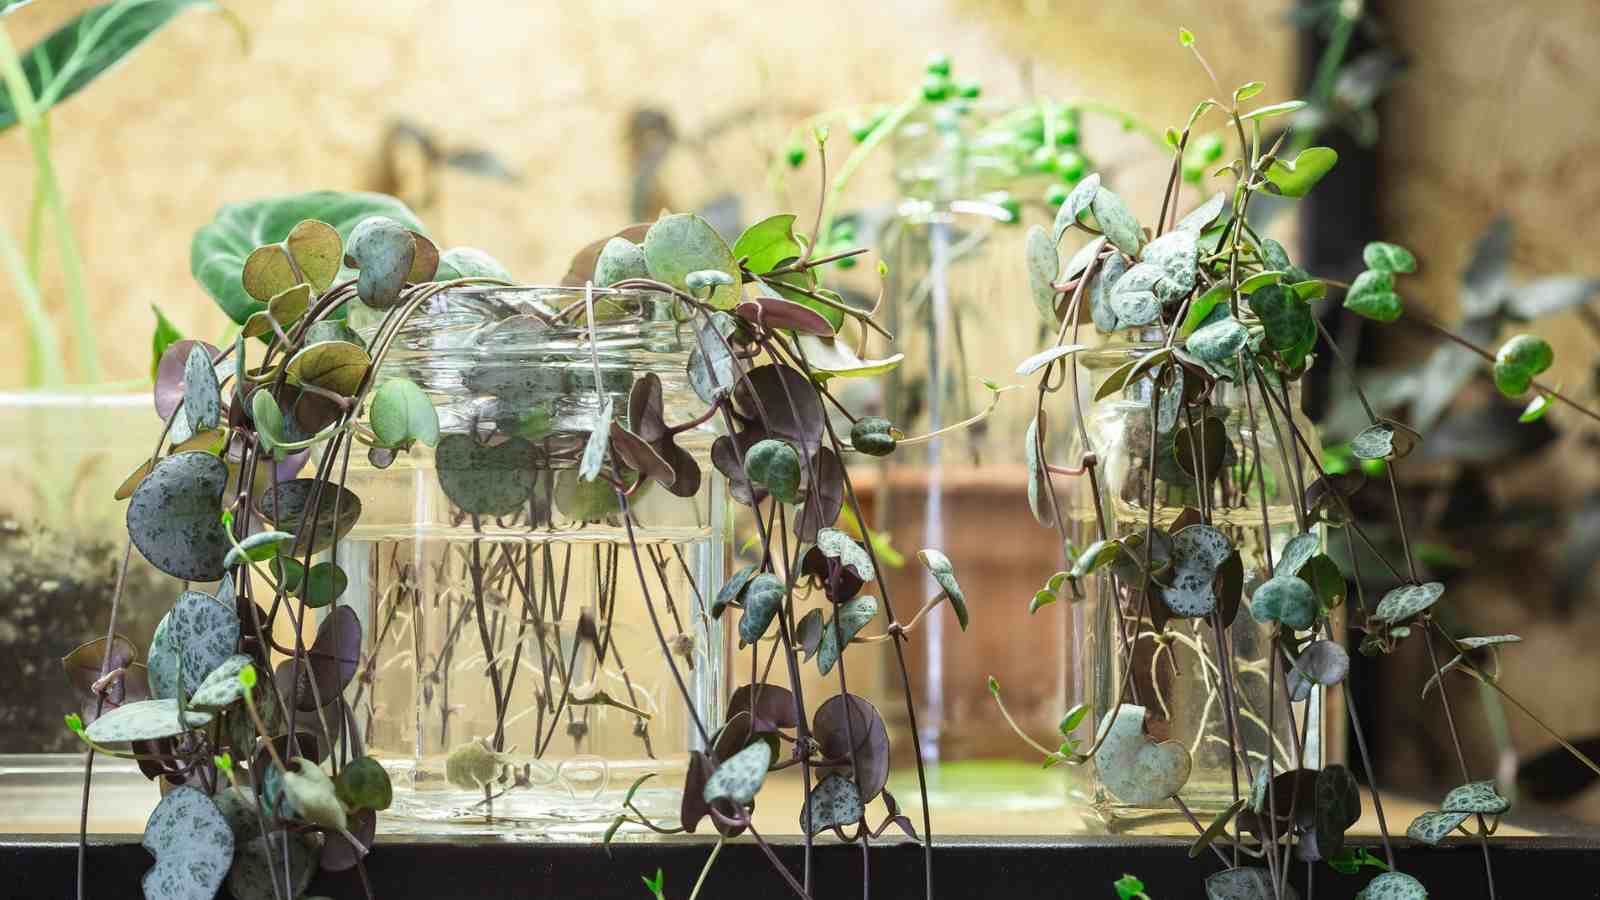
[686, 472]
[290, 506]
[865, 729]
[645, 409]
[725, 456]
[808, 632]
[773, 705]
[839, 581]
[785, 402]
[640, 456]
[824, 497]
[776, 312]
[337, 852]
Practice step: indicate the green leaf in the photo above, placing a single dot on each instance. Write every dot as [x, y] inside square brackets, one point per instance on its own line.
[768, 243]
[125, 27]
[1285, 318]
[834, 801]
[1043, 265]
[833, 358]
[1296, 178]
[1297, 552]
[1133, 767]
[763, 597]
[485, 480]
[1077, 203]
[222, 687]
[874, 436]
[1129, 887]
[682, 243]
[1394, 886]
[1219, 341]
[1185, 39]
[384, 252]
[1432, 827]
[775, 465]
[1284, 599]
[323, 585]
[1259, 280]
[175, 516]
[144, 720]
[1476, 797]
[1135, 300]
[852, 616]
[1391, 258]
[1537, 407]
[258, 866]
[218, 252]
[1200, 308]
[166, 334]
[1093, 557]
[1518, 361]
[944, 574]
[1073, 718]
[311, 795]
[401, 413]
[1201, 217]
[1176, 255]
[1045, 357]
[1247, 90]
[620, 260]
[1217, 828]
[1407, 600]
[364, 784]
[1276, 109]
[740, 776]
[193, 846]
[1243, 884]
[258, 547]
[1116, 221]
[1372, 295]
[470, 262]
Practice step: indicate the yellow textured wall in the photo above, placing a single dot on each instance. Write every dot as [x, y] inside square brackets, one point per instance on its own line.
[191, 121]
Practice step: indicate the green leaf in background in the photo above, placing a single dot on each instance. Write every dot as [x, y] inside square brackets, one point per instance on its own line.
[218, 252]
[166, 335]
[469, 262]
[84, 48]
[1296, 178]
[1518, 361]
[1388, 258]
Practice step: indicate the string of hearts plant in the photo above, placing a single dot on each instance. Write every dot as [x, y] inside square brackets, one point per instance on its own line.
[264, 772]
[1230, 308]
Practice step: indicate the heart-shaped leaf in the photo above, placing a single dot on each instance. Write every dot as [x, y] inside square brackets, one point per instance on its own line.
[785, 402]
[1218, 341]
[1176, 256]
[682, 243]
[776, 312]
[1432, 827]
[1245, 884]
[1116, 222]
[1102, 287]
[1296, 177]
[204, 633]
[1372, 295]
[334, 366]
[291, 506]
[492, 480]
[1286, 318]
[401, 413]
[175, 516]
[1198, 551]
[763, 597]
[832, 358]
[1394, 886]
[768, 703]
[192, 844]
[767, 243]
[309, 796]
[1374, 442]
[202, 396]
[1134, 300]
[1134, 768]
[258, 867]
[1391, 258]
[874, 436]
[844, 726]
[774, 466]
[837, 545]
[222, 687]
[740, 776]
[1407, 600]
[1297, 552]
[469, 262]
[146, 720]
[1476, 797]
[1041, 500]
[1043, 265]
[834, 802]
[944, 574]
[1201, 447]
[217, 255]
[384, 252]
[808, 633]
[1285, 599]
[364, 784]
[1518, 361]
[1323, 662]
[1338, 808]
[332, 661]
[1078, 201]
[850, 617]
[1201, 217]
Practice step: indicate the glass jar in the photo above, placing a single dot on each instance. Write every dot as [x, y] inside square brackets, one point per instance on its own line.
[966, 195]
[1176, 674]
[513, 671]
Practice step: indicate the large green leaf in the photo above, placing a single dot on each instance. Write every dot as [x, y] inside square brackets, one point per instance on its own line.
[86, 47]
[218, 252]
[679, 244]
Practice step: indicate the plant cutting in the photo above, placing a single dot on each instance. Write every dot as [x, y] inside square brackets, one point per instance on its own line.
[269, 778]
[1206, 426]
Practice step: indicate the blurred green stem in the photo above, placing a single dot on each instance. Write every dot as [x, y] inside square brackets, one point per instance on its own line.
[50, 191]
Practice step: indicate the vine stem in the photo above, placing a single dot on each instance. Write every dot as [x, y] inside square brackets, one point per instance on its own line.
[1540, 386]
[1455, 740]
[706, 869]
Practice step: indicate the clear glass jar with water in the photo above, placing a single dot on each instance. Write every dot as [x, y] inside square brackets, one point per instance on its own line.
[1177, 672]
[514, 620]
